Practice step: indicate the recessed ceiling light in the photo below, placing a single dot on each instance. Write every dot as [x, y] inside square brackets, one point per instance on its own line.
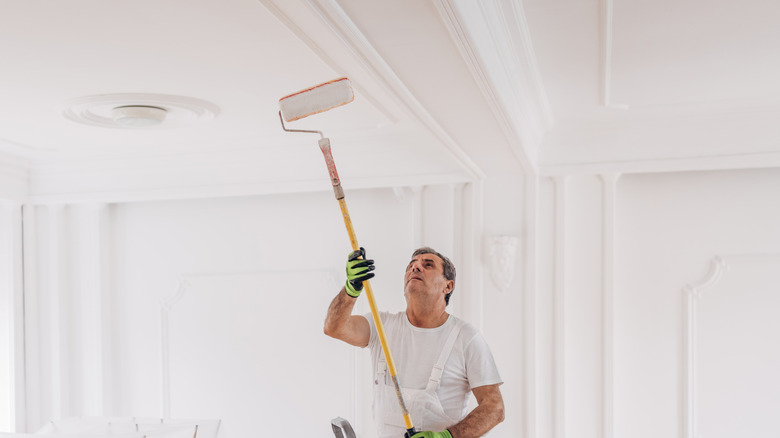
[138, 116]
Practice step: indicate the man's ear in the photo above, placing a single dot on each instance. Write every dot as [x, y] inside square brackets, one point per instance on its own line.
[450, 286]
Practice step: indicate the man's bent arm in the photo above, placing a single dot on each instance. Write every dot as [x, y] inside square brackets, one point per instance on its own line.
[484, 417]
[341, 324]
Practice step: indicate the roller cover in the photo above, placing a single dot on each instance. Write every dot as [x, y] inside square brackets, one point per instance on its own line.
[316, 99]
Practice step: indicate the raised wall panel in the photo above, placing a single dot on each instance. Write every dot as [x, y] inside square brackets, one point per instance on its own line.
[668, 226]
[253, 272]
[242, 350]
[733, 349]
[581, 319]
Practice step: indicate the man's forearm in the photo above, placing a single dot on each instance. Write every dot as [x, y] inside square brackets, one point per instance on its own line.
[339, 311]
[479, 421]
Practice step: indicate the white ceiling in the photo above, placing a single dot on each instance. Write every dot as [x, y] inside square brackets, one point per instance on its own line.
[446, 91]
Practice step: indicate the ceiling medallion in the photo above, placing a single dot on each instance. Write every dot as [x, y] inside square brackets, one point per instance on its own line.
[139, 111]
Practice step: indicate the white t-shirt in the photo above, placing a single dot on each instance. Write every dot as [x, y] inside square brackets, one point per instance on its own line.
[415, 351]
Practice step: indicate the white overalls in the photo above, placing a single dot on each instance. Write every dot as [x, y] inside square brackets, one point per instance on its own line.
[424, 405]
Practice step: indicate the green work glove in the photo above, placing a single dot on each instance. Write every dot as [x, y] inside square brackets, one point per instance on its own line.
[429, 434]
[358, 270]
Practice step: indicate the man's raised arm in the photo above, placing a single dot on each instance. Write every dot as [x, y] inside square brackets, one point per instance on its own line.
[340, 323]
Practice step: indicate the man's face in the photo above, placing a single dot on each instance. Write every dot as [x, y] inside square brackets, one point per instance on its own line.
[425, 274]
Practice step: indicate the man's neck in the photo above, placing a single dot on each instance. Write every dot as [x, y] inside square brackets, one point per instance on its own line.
[426, 318]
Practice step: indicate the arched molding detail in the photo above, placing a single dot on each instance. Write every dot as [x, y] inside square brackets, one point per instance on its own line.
[691, 294]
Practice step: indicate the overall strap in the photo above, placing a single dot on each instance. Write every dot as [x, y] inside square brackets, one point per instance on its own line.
[381, 369]
[433, 381]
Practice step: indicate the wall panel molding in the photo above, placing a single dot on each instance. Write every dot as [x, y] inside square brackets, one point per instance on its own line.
[467, 240]
[183, 286]
[692, 294]
[530, 287]
[559, 309]
[609, 207]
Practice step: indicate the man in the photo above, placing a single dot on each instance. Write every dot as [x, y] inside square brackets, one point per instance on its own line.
[439, 358]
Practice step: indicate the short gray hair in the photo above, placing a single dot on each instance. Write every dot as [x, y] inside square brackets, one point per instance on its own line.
[449, 268]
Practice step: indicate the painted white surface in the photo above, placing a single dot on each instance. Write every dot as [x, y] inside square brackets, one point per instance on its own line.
[278, 237]
[11, 360]
[668, 228]
[735, 349]
[467, 88]
[14, 177]
[243, 350]
[568, 371]
[470, 121]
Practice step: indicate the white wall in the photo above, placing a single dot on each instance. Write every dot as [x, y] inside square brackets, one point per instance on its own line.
[11, 357]
[14, 186]
[620, 348]
[670, 228]
[214, 308]
[606, 329]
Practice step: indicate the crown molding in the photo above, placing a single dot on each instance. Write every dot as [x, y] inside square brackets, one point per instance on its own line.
[193, 177]
[683, 164]
[609, 211]
[481, 77]
[605, 30]
[494, 40]
[368, 71]
[332, 13]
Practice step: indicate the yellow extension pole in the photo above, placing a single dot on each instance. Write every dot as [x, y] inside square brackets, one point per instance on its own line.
[324, 144]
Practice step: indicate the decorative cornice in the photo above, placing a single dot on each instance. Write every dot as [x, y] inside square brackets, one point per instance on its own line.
[681, 164]
[101, 181]
[511, 82]
[481, 77]
[331, 12]
[335, 18]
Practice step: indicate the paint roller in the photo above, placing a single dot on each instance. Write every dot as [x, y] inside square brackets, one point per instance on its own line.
[314, 100]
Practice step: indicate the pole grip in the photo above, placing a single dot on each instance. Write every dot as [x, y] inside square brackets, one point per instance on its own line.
[324, 144]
